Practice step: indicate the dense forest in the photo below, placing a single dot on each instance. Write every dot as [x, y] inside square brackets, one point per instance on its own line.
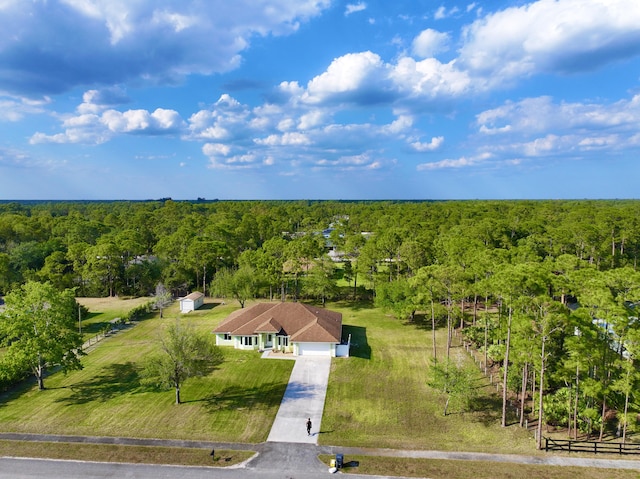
[545, 290]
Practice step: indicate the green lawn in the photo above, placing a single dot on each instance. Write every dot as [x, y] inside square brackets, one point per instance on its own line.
[377, 398]
[124, 454]
[237, 402]
[104, 310]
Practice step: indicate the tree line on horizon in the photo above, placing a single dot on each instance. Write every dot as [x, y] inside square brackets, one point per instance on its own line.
[545, 290]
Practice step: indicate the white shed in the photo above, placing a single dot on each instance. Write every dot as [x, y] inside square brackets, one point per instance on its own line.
[191, 302]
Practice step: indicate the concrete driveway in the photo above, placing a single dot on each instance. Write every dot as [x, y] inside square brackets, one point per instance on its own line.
[303, 398]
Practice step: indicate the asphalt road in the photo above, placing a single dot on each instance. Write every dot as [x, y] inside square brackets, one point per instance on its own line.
[275, 461]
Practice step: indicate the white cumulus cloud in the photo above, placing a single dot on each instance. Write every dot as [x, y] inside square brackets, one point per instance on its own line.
[551, 36]
[433, 145]
[429, 43]
[286, 139]
[141, 121]
[540, 114]
[348, 73]
[429, 79]
[105, 42]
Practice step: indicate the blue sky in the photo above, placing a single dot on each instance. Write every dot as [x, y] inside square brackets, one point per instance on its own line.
[319, 99]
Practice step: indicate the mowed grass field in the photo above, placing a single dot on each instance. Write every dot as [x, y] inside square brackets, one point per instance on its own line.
[236, 402]
[378, 397]
[104, 310]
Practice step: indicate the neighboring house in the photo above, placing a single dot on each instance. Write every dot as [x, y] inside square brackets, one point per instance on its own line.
[191, 302]
[288, 327]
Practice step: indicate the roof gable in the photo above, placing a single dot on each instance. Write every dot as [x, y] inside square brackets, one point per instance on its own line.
[193, 296]
[301, 322]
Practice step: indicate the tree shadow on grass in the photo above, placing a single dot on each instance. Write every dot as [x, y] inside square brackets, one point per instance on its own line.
[18, 388]
[235, 397]
[209, 306]
[95, 328]
[114, 380]
[360, 305]
[26, 384]
[423, 322]
[487, 409]
[90, 315]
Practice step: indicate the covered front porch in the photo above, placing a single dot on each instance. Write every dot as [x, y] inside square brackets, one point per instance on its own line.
[274, 342]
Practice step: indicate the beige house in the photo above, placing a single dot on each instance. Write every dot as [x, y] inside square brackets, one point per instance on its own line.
[295, 328]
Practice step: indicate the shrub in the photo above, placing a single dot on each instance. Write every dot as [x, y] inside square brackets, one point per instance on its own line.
[139, 312]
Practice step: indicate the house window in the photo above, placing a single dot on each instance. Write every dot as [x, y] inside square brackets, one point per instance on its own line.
[227, 337]
[284, 341]
[247, 340]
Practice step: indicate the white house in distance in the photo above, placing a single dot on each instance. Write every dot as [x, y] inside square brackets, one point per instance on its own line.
[191, 302]
[296, 328]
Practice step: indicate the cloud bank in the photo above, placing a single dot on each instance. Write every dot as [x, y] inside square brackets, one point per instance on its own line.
[106, 42]
[115, 45]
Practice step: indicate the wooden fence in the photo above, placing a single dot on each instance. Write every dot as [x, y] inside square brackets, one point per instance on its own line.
[591, 447]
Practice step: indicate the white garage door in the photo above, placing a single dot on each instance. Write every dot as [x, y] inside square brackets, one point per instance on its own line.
[314, 349]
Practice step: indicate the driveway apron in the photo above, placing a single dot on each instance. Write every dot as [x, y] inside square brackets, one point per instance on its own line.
[303, 399]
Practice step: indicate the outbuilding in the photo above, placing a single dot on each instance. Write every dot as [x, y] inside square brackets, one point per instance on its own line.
[191, 302]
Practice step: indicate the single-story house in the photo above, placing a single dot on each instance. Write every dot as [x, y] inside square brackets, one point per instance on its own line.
[295, 328]
[191, 302]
